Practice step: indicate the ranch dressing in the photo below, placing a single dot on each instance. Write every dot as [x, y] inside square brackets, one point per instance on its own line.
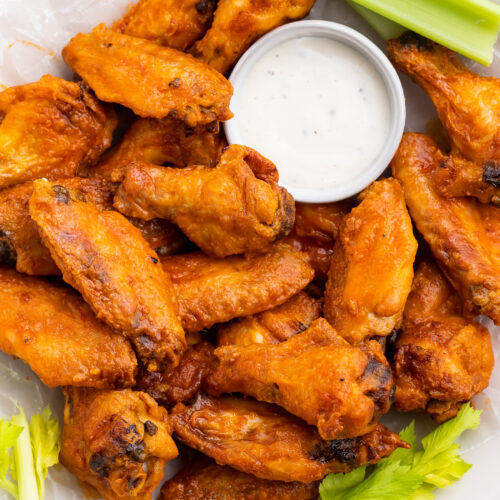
[316, 108]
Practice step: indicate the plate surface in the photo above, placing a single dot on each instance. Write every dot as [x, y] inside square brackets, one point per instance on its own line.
[32, 34]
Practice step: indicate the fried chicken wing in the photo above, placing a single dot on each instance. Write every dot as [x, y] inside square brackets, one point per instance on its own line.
[174, 23]
[372, 265]
[272, 326]
[161, 142]
[108, 261]
[316, 375]
[237, 25]
[211, 291]
[468, 104]
[464, 235]
[179, 384]
[116, 441]
[50, 129]
[315, 229]
[264, 440]
[31, 256]
[234, 208]
[203, 479]
[441, 359]
[54, 331]
[152, 81]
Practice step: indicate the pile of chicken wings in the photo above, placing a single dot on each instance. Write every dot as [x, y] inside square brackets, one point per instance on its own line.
[174, 290]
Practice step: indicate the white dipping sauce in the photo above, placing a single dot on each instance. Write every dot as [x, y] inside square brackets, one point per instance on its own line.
[316, 108]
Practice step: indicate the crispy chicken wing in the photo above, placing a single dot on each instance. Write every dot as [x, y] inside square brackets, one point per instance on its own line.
[441, 359]
[203, 479]
[316, 375]
[211, 291]
[53, 330]
[116, 441]
[237, 25]
[468, 104]
[234, 208]
[161, 142]
[264, 440]
[20, 232]
[174, 23]
[50, 129]
[272, 326]
[315, 229]
[179, 384]
[372, 265]
[152, 81]
[105, 257]
[464, 235]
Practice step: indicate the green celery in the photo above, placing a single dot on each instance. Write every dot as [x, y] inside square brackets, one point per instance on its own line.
[386, 28]
[8, 437]
[469, 27]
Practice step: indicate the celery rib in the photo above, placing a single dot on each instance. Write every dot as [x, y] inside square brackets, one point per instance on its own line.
[469, 27]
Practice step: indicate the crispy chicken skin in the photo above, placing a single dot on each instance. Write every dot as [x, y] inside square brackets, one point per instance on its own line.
[174, 23]
[234, 208]
[50, 129]
[152, 81]
[20, 232]
[53, 330]
[464, 235]
[162, 142]
[372, 265]
[179, 384]
[108, 261]
[237, 25]
[316, 228]
[264, 440]
[441, 359]
[272, 326]
[316, 375]
[203, 479]
[468, 104]
[211, 291]
[116, 441]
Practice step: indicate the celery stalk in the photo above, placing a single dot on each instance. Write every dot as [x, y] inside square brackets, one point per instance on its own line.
[384, 27]
[469, 27]
[23, 460]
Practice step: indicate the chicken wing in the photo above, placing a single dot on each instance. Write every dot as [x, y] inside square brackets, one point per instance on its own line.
[237, 25]
[174, 23]
[31, 256]
[468, 104]
[152, 81]
[234, 208]
[203, 479]
[464, 235]
[53, 330]
[211, 291]
[161, 142]
[50, 129]
[116, 441]
[107, 260]
[272, 326]
[179, 384]
[264, 440]
[372, 265]
[316, 375]
[441, 359]
[316, 228]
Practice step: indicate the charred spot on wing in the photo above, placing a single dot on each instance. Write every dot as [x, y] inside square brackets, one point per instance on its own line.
[136, 451]
[150, 428]
[8, 254]
[99, 464]
[339, 450]
[62, 194]
[410, 39]
[491, 173]
[205, 6]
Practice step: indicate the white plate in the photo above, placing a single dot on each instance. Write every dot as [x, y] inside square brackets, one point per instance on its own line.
[49, 24]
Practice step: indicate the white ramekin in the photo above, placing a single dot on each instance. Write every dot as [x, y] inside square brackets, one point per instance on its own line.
[374, 55]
